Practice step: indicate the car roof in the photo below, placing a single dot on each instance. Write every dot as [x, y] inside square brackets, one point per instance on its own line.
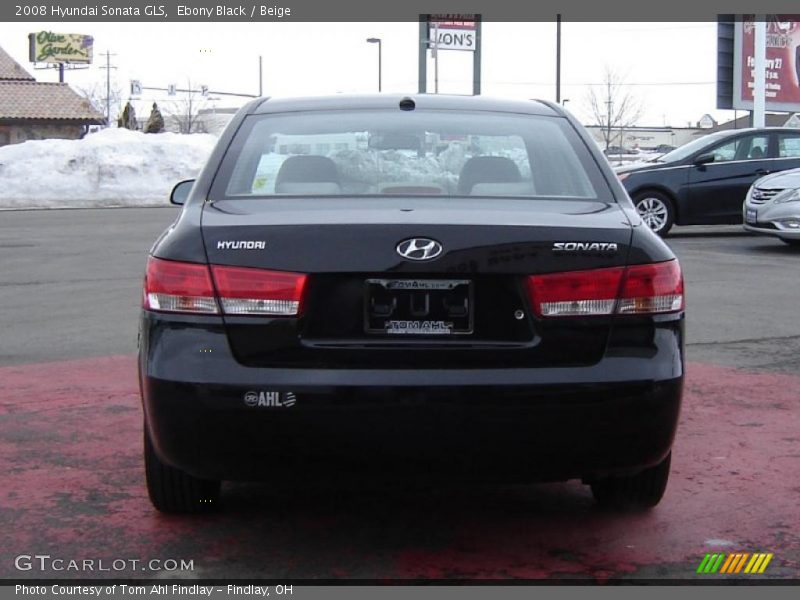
[389, 101]
[732, 132]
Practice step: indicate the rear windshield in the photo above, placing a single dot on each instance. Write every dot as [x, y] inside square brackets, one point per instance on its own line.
[414, 153]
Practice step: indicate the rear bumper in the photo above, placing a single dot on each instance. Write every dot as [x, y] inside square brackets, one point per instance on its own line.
[617, 416]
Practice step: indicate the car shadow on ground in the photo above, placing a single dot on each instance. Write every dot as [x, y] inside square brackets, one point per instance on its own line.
[406, 531]
[775, 248]
[553, 498]
[708, 231]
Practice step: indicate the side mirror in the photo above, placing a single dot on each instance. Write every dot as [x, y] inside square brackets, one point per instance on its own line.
[181, 192]
[704, 159]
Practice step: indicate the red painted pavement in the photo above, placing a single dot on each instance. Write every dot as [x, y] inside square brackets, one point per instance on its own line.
[71, 486]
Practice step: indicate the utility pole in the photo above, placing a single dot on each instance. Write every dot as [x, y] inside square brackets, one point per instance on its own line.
[476, 56]
[260, 76]
[436, 57]
[108, 68]
[422, 55]
[558, 58]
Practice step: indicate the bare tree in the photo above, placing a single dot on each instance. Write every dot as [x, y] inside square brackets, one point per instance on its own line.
[100, 97]
[184, 113]
[613, 107]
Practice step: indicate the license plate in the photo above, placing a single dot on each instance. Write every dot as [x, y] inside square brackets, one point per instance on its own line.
[418, 306]
[751, 216]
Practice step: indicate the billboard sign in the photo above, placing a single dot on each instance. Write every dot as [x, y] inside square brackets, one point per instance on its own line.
[50, 47]
[782, 63]
[453, 31]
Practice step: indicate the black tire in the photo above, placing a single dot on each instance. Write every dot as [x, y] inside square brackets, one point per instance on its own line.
[173, 491]
[643, 490]
[793, 243]
[656, 210]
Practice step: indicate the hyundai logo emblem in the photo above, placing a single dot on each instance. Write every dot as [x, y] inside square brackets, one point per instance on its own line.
[419, 249]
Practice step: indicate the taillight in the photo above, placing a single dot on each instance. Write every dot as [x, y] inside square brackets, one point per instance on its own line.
[172, 286]
[639, 289]
[246, 291]
[654, 288]
[575, 293]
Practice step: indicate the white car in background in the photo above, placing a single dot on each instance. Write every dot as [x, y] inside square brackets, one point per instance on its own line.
[772, 206]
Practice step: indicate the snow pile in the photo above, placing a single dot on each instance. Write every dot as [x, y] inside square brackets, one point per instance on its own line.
[371, 170]
[114, 167]
[365, 171]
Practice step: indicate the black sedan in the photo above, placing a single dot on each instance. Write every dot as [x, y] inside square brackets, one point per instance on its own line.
[705, 181]
[341, 297]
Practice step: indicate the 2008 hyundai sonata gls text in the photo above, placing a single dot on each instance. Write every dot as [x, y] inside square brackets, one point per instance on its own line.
[444, 288]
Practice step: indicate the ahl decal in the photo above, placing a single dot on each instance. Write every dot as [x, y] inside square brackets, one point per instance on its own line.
[270, 399]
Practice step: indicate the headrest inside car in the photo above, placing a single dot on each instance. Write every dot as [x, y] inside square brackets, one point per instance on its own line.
[487, 169]
[306, 169]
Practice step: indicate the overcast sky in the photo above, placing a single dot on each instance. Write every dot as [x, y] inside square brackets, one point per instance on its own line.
[670, 67]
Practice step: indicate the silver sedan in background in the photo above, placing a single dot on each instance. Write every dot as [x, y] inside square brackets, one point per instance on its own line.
[772, 206]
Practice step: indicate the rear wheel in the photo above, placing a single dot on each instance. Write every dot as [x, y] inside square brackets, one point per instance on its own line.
[656, 211]
[795, 243]
[174, 491]
[643, 490]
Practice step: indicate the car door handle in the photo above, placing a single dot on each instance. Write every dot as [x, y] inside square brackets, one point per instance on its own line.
[762, 172]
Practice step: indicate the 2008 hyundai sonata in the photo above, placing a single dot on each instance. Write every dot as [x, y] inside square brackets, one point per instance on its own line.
[426, 287]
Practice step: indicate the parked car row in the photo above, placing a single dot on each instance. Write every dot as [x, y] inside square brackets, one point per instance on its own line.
[616, 150]
[621, 150]
[707, 181]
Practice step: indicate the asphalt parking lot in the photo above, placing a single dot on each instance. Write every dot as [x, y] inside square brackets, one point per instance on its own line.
[70, 435]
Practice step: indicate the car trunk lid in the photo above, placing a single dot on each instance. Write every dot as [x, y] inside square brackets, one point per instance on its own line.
[466, 306]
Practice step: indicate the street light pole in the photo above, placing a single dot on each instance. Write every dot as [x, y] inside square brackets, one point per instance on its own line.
[380, 61]
[260, 76]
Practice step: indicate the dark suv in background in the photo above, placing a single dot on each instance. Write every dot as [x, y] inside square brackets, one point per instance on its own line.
[705, 181]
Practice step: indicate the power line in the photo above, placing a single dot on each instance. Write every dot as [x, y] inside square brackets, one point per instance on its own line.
[708, 26]
[655, 83]
[644, 83]
[585, 84]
